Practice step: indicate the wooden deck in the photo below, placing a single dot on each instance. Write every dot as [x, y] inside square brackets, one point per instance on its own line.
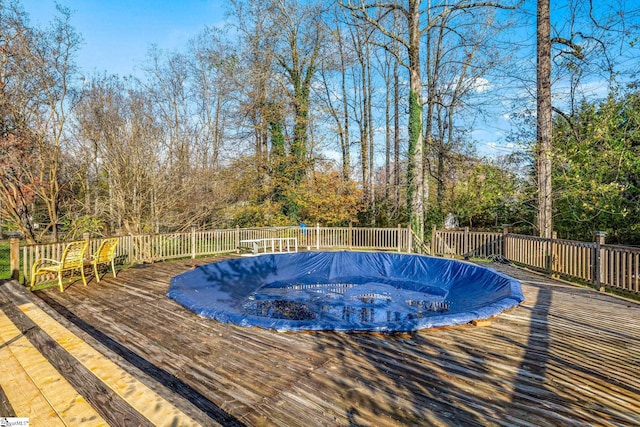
[567, 356]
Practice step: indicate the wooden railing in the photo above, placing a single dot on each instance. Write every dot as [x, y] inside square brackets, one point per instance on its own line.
[418, 245]
[157, 247]
[573, 259]
[601, 265]
[466, 243]
[531, 251]
[620, 267]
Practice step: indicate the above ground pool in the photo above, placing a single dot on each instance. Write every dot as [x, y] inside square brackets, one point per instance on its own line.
[345, 291]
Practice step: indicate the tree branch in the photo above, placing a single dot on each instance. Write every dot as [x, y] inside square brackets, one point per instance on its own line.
[361, 13]
[568, 120]
[576, 49]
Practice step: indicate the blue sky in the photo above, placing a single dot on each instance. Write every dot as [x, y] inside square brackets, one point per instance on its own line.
[118, 33]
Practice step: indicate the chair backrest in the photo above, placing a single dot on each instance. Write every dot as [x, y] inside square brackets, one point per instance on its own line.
[73, 255]
[106, 251]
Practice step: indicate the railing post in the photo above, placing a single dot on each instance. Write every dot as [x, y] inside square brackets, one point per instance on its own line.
[409, 239]
[237, 239]
[552, 254]
[465, 242]
[600, 237]
[87, 238]
[193, 241]
[434, 232]
[505, 231]
[547, 254]
[350, 238]
[130, 247]
[318, 236]
[399, 239]
[14, 258]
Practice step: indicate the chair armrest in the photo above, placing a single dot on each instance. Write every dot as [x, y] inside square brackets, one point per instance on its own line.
[49, 260]
[38, 262]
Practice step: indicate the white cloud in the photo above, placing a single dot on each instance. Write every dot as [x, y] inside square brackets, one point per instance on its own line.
[481, 85]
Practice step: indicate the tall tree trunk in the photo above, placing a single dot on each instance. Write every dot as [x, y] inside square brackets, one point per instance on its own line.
[416, 184]
[369, 89]
[544, 124]
[300, 127]
[345, 143]
[432, 72]
[396, 132]
[364, 125]
[387, 136]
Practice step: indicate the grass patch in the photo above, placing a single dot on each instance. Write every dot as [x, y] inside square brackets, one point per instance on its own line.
[5, 260]
[481, 260]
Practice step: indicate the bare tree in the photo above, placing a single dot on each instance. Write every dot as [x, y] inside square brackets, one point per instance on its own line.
[362, 111]
[36, 83]
[256, 83]
[544, 123]
[117, 121]
[168, 87]
[416, 24]
[298, 49]
[212, 63]
[460, 54]
[375, 13]
[333, 96]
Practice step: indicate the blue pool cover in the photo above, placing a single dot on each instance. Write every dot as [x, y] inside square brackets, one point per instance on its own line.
[345, 291]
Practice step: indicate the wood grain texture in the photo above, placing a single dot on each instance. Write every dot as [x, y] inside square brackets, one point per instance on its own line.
[564, 357]
[139, 396]
[6, 410]
[34, 388]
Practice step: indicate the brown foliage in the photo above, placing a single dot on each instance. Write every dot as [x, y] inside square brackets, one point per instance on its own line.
[327, 199]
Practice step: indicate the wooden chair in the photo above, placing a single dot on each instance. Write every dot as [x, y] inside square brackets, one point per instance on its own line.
[105, 254]
[72, 259]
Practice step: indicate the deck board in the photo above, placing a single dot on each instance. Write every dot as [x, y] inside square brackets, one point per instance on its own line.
[566, 356]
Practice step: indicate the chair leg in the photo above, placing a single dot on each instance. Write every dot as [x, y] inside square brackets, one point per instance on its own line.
[95, 270]
[60, 281]
[113, 268]
[84, 279]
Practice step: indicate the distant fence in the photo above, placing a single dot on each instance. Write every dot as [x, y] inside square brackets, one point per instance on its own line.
[158, 247]
[601, 265]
